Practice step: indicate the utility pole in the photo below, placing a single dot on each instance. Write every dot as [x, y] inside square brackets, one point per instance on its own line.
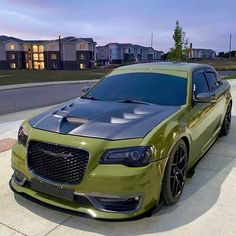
[60, 52]
[151, 40]
[230, 44]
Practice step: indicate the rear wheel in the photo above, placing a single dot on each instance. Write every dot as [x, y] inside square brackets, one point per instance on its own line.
[175, 174]
[227, 122]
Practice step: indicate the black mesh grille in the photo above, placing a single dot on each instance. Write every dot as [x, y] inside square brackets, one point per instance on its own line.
[56, 163]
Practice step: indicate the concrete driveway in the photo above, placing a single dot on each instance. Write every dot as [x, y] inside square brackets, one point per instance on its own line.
[207, 206]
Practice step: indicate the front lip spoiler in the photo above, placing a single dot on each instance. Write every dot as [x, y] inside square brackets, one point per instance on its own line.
[149, 213]
[92, 197]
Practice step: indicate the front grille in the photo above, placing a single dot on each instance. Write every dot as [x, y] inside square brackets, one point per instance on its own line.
[58, 164]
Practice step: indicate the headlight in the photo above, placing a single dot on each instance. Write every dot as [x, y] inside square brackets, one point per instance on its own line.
[133, 156]
[22, 136]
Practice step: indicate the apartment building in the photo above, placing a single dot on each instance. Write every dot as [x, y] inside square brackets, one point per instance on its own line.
[69, 53]
[118, 53]
[202, 53]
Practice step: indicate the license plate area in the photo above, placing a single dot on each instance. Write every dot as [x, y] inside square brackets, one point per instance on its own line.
[52, 190]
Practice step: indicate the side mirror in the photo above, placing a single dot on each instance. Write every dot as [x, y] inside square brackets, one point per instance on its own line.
[85, 89]
[206, 97]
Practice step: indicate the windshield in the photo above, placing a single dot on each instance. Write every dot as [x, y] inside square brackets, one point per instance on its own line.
[152, 88]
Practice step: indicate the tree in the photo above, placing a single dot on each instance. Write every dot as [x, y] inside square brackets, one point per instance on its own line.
[180, 50]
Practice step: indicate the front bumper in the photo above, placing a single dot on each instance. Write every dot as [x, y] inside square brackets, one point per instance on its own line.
[107, 191]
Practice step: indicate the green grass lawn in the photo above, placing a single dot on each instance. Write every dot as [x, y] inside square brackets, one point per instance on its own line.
[230, 77]
[220, 64]
[8, 77]
[32, 76]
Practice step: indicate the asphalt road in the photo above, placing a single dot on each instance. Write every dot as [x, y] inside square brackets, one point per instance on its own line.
[22, 99]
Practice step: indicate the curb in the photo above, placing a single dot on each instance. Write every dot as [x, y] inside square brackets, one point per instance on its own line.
[39, 84]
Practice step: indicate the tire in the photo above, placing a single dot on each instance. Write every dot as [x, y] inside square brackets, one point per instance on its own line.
[175, 174]
[227, 122]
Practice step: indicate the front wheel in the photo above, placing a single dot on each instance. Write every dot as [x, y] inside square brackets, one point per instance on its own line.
[175, 174]
[227, 122]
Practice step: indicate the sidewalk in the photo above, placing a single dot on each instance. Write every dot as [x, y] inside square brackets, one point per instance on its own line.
[18, 86]
[207, 206]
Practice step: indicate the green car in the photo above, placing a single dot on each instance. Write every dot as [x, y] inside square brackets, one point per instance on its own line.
[127, 143]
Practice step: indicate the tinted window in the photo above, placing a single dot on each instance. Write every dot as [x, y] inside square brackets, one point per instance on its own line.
[147, 87]
[212, 80]
[200, 83]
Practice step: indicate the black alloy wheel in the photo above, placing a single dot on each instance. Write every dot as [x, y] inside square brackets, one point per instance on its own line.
[175, 174]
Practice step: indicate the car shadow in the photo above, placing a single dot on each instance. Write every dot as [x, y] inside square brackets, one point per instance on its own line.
[201, 193]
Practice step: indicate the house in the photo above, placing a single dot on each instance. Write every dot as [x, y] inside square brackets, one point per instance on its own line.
[67, 53]
[119, 53]
[201, 53]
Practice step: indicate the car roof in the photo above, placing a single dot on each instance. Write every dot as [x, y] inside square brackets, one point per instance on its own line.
[171, 66]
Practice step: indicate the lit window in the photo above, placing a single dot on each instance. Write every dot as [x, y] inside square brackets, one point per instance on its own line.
[12, 46]
[36, 65]
[36, 57]
[81, 56]
[41, 48]
[81, 46]
[53, 46]
[41, 65]
[27, 65]
[82, 66]
[53, 56]
[35, 48]
[13, 65]
[41, 57]
[12, 56]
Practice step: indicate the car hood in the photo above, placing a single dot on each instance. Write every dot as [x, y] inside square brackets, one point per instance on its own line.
[102, 119]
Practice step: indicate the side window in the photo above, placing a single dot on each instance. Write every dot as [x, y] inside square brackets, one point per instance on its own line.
[211, 80]
[199, 83]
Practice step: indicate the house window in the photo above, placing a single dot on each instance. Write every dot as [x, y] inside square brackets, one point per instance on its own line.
[81, 46]
[41, 65]
[36, 65]
[36, 57]
[82, 66]
[12, 56]
[35, 48]
[13, 65]
[53, 47]
[41, 57]
[53, 56]
[81, 56]
[12, 46]
[41, 48]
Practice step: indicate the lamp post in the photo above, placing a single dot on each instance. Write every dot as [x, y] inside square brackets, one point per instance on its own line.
[60, 62]
[230, 43]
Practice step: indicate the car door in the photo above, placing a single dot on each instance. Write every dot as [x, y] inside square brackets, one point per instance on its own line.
[217, 87]
[202, 116]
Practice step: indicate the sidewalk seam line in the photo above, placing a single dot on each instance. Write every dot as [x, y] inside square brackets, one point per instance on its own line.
[50, 231]
[13, 229]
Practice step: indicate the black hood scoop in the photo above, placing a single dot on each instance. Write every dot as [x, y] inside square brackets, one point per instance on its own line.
[102, 119]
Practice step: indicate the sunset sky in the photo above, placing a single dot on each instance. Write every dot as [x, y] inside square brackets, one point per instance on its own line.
[207, 23]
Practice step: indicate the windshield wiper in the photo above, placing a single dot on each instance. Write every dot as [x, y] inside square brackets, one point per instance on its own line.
[127, 100]
[91, 98]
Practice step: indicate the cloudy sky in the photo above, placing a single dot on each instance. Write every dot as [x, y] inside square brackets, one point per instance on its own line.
[207, 23]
